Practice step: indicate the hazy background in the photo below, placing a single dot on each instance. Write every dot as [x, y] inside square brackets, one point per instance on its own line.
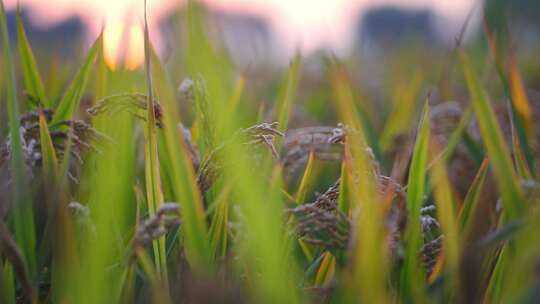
[259, 28]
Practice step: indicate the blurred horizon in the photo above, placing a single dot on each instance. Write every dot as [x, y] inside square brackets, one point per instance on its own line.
[324, 25]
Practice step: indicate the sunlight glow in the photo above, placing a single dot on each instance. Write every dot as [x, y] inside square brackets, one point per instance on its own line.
[135, 50]
[123, 45]
[112, 35]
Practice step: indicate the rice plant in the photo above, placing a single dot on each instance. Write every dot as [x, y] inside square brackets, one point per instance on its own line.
[187, 181]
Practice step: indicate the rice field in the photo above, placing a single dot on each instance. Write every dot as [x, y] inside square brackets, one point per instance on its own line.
[190, 180]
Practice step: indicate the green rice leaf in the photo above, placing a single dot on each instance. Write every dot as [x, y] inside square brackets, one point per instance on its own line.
[343, 202]
[23, 218]
[403, 110]
[314, 266]
[32, 81]
[412, 275]
[306, 177]
[495, 285]
[367, 279]
[506, 233]
[72, 97]
[220, 222]
[457, 135]
[48, 154]
[288, 93]
[179, 168]
[447, 216]
[494, 142]
[515, 91]
[237, 93]
[520, 162]
[7, 283]
[472, 198]
[154, 194]
[326, 270]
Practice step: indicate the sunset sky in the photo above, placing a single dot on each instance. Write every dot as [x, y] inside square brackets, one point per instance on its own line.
[308, 23]
[304, 24]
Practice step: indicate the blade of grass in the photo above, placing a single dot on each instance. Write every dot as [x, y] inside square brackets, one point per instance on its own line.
[371, 136]
[494, 142]
[326, 270]
[237, 93]
[55, 77]
[403, 110]
[262, 246]
[519, 161]
[508, 185]
[14, 256]
[367, 281]
[313, 268]
[343, 203]
[471, 200]
[154, 195]
[495, 288]
[306, 177]
[69, 102]
[454, 139]
[265, 248]
[63, 171]
[48, 154]
[181, 171]
[446, 214]
[220, 222]
[204, 60]
[108, 192]
[288, 93]
[514, 90]
[206, 118]
[300, 198]
[520, 279]
[520, 99]
[31, 78]
[475, 150]
[23, 215]
[7, 283]
[413, 275]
